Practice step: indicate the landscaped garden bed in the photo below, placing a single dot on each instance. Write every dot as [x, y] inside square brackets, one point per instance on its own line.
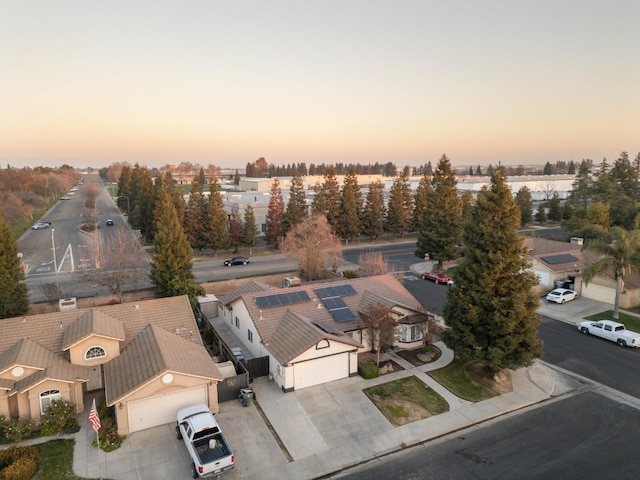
[406, 400]
[471, 381]
[420, 356]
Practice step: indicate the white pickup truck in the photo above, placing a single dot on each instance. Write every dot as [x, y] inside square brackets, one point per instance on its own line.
[614, 331]
[207, 446]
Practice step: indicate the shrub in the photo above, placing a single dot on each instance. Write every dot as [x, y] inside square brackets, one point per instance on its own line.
[16, 430]
[368, 370]
[350, 274]
[109, 438]
[60, 417]
[18, 463]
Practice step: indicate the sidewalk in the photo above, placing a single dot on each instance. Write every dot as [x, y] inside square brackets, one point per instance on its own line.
[319, 431]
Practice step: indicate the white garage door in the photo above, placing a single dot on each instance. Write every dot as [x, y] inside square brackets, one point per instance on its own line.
[162, 409]
[321, 370]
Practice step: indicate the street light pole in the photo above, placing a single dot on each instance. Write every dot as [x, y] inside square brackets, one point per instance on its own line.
[53, 248]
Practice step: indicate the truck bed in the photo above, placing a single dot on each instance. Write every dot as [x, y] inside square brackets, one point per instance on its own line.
[206, 454]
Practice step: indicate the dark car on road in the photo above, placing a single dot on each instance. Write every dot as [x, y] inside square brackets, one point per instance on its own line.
[236, 261]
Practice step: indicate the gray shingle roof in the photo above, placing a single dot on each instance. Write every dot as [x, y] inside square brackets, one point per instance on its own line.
[295, 334]
[93, 322]
[383, 288]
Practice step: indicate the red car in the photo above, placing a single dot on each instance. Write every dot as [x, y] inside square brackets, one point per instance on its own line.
[437, 277]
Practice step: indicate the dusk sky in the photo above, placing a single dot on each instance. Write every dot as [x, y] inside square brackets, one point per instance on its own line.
[89, 83]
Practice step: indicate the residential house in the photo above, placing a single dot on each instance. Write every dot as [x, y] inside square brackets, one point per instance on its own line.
[312, 333]
[554, 261]
[147, 357]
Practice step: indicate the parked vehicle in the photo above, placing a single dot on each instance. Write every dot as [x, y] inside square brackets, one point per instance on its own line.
[66, 197]
[236, 261]
[39, 225]
[438, 277]
[561, 295]
[205, 443]
[614, 331]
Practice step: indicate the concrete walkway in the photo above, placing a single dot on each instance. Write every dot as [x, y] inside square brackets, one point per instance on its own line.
[321, 430]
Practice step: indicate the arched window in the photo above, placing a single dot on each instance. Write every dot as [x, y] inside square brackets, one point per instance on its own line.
[95, 352]
[47, 397]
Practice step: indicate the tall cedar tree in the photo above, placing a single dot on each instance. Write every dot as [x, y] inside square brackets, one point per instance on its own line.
[194, 226]
[399, 207]
[525, 204]
[349, 223]
[621, 256]
[171, 266]
[124, 190]
[491, 306]
[275, 216]
[14, 295]
[216, 220]
[236, 228]
[420, 200]
[175, 192]
[374, 211]
[441, 224]
[555, 209]
[141, 201]
[297, 205]
[330, 197]
[250, 229]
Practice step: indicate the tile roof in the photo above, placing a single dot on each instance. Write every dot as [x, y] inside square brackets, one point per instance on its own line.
[152, 352]
[544, 246]
[250, 287]
[385, 287]
[48, 329]
[295, 334]
[48, 365]
[93, 322]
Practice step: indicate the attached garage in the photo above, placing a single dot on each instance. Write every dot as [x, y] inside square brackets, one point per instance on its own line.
[321, 370]
[162, 409]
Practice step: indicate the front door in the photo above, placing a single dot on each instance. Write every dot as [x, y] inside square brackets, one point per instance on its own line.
[95, 378]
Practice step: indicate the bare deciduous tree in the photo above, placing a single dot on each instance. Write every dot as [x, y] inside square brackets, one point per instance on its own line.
[123, 261]
[380, 325]
[372, 263]
[312, 242]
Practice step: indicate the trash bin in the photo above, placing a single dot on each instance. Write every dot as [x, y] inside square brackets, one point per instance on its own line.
[246, 395]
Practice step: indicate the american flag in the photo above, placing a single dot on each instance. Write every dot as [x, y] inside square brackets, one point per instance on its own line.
[94, 419]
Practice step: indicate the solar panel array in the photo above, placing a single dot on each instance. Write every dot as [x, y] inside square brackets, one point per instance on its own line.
[335, 291]
[330, 296]
[561, 258]
[279, 299]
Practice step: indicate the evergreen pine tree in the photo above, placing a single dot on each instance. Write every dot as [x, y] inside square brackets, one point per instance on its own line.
[541, 213]
[349, 223]
[525, 204]
[374, 211]
[297, 205]
[14, 294]
[555, 209]
[420, 200]
[400, 206]
[441, 223]
[194, 226]
[236, 228]
[171, 265]
[216, 221]
[250, 229]
[275, 215]
[491, 306]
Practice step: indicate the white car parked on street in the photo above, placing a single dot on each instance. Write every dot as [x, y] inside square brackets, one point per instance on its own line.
[561, 295]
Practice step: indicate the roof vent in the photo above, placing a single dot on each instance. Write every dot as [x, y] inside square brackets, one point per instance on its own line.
[136, 306]
[319, 305]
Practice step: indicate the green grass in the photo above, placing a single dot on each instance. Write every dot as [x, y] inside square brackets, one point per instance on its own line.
[631, 322]
[455, 379]
[55, 459]
[388, 397]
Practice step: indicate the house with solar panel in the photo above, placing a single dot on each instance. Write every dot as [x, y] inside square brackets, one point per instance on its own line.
[313, 333]
[556, 264]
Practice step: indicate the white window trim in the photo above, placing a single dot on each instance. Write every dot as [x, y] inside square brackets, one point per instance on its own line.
[94, 349]
[48, 397]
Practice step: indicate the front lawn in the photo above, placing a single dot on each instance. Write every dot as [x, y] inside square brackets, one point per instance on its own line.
[455, 379]
[631, 322]
[55, 460]
[406, 400]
